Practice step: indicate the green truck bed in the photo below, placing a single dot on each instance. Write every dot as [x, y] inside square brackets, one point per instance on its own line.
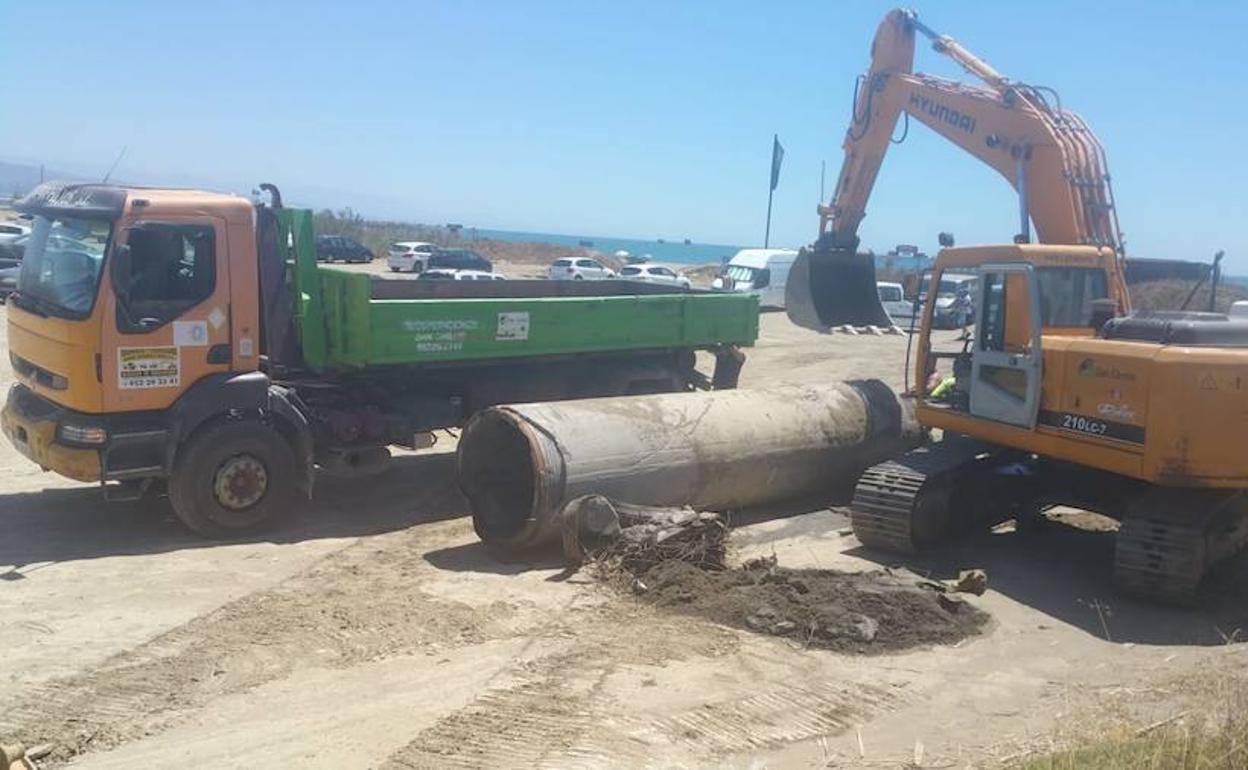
[348, 320]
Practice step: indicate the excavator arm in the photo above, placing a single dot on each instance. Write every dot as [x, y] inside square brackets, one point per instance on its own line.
[1050, 157]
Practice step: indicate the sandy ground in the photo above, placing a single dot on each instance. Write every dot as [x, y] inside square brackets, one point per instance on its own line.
[372, 630]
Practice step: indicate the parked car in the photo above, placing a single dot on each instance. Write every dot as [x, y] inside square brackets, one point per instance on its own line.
[459, 259]
[955, 299]
[654, 274]
[330, 248]
[9, 269]
[14, 248]
[12, 230]
[409, 256]
[762, 272]
[446, 274]
[578, 269]
[893, 298]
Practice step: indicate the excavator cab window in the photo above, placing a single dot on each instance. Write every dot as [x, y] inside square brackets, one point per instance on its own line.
[1068, 294]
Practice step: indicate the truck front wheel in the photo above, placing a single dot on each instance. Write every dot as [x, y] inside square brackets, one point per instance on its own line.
[232, 479]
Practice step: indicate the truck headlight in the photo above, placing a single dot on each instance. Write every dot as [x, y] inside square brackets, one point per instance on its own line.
[82, 434]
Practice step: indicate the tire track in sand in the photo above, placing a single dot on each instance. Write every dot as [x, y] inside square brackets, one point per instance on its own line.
[358, 604]
[560, 711]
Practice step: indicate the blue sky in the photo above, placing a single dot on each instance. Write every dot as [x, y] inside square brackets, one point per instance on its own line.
[635, 119]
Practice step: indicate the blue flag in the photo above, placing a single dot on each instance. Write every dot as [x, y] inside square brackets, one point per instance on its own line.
[777, 157]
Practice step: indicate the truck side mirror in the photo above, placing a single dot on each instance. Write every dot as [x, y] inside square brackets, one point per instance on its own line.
[119, 271]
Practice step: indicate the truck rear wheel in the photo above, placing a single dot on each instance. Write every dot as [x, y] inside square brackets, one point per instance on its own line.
[233, 479]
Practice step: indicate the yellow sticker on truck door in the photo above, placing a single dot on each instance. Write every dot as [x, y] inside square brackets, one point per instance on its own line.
[156, 367]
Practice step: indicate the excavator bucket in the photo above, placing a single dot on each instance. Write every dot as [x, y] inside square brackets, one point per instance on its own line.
[830, 286]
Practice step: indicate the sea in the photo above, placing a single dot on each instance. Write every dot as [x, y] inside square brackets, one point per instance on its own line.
[676, 252]
[659, 250]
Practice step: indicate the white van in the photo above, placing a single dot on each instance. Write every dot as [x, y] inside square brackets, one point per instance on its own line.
[893, 298]
[762, 272]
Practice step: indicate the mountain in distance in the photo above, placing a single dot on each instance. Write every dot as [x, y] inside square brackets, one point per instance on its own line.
[16, 179]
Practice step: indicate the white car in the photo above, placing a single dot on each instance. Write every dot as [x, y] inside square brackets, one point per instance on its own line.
[579, 268]
[442, 274]
[893, 298]
[654, 274]
[409, 256]
[11, 230]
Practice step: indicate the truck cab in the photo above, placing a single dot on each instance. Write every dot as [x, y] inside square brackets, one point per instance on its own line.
[166, 312]
[135, 323]
[90, 342]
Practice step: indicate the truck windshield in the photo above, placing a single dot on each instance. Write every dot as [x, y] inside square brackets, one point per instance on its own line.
[741, 273]
[62, 264]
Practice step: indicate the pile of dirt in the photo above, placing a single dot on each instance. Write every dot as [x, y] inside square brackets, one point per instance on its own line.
[675, 558]
[865, 612]
[1171, 294]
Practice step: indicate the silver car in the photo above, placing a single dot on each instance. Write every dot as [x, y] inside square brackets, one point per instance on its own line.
[654, 274]
[409, 256]
[579, 269]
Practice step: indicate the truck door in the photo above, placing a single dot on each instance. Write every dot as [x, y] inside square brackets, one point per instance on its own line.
[167, 323]
[1006, 362]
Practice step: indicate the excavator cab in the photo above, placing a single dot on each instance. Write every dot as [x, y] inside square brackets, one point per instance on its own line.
[993, 369]
[831, 285]
[1023, 294]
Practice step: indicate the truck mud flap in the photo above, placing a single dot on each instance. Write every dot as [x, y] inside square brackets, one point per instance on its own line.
[834, 287]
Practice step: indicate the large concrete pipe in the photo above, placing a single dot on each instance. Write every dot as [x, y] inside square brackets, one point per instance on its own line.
[713, 450]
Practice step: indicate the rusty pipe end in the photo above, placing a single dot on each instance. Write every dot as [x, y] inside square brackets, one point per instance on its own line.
[513, 476]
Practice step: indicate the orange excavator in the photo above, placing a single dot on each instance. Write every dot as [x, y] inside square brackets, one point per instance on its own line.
[1062, 395]
[1049, 155]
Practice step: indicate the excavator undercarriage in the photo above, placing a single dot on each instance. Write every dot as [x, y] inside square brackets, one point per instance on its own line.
[1168, 539]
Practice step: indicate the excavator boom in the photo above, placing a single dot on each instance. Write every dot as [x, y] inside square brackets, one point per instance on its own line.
[1049, 155]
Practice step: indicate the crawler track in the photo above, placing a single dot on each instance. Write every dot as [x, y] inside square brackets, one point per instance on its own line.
[1171, 538]
[904, 505]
